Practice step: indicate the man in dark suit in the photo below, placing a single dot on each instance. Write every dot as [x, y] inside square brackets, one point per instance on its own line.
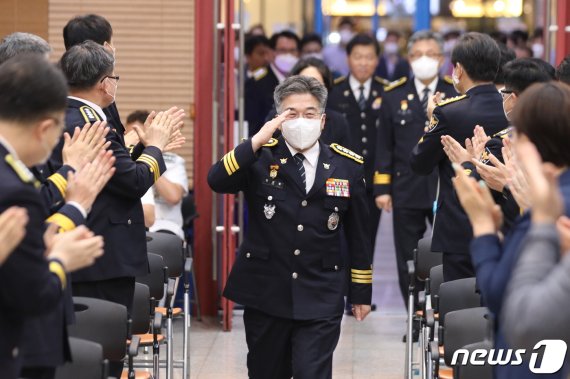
[359, 98]
[31, 285]
[476, 60]
[403, 118]
[303, 196]
[392, 65]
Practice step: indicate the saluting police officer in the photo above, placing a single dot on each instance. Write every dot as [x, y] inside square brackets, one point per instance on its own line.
[302, 195]
[403, 118]
[359, 98]
[476, 61]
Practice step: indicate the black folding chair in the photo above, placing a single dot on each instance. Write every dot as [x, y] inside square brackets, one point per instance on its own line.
[470, 371]
[87, 361]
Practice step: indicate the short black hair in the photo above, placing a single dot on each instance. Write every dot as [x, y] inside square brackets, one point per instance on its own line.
[252, 42]
[89, 27]
[346, 21]
[138, 115]
[519, 37]
[541, 114]
[522, 73]
[563, 70]
[479, 55]
[507, 55]
[32, 89]
[285, 34]
[499, 37]
[311, 37]
[362, 40]
[547, 67]
[319, 65]
[84, 65]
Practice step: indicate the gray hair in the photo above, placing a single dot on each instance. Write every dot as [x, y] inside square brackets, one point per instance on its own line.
[22, 43]
[84, 65]
[423, 35]
[297, 85]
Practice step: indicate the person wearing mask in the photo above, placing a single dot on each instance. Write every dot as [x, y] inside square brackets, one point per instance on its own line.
[476, 59]
[258, 91]
[507, 55]
[303, 196]
[334, 55]
[359, 98]
[312, 46]
[33, 279]
[403, 118]
[392, 65]
[450, 40]
[257, 51]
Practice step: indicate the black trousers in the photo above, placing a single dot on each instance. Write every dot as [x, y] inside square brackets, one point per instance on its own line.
[457, 266]
[409, 228]
[280, 348]
[38, 373]
[117, 290]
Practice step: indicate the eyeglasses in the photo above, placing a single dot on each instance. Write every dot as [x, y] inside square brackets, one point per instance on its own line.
[116, 78]
[414, 56]
[506, 93]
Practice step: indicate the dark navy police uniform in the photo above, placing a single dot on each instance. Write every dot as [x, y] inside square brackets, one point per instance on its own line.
[258, 93]
[402, 123]
[456, 117]
[289, 273]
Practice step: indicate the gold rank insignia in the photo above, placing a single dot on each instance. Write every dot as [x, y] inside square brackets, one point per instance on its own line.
[273, 171]
[346, 152]
[377, 103]
[283, 160]
[404, 105]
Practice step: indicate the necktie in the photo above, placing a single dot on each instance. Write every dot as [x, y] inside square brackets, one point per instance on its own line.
[425, 99]
[299, 158]
[361, 99]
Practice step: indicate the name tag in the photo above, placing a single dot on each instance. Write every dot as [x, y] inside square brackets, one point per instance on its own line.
[338, 187]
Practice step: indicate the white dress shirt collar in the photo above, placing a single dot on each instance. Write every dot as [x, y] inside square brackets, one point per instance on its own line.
[420, 87]
[355, 87]
[95, 107]
[309, 163]
[277, 73]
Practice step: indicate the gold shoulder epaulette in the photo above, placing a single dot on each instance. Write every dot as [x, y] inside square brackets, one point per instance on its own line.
[339, 80]
[384, 82]
[395, 84]
[347, 153]
[272, 142]
[503, 133]
[451, 100]
[260, 73]
[21, 170]
[89, 114]
[448, 79]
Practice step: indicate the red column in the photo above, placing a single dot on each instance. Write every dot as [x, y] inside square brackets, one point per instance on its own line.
[203, 78]
[562, 35]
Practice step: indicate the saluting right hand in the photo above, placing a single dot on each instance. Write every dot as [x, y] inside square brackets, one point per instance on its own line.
[266, 132]
[75, 249]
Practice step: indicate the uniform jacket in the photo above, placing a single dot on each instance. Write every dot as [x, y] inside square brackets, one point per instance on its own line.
[456, 117]
[363, 125]
[402, 124]
[290, 264]
[258, 101]
[117, 213]
[30, 285]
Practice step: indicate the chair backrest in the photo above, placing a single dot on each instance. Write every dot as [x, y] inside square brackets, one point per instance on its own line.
[463, 327]
[155, 277]
[170, 248]
[87, 361]
[140, 313]
[470, 371]
[103, 322]
[456, 295]
[425, 259]
[435, 279]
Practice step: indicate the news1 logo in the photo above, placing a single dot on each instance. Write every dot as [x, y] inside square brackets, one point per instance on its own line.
[547, 357]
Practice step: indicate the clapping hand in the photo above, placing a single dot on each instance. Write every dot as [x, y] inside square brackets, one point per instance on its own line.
[85, 144]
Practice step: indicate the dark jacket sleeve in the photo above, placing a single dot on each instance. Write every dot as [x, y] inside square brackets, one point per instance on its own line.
[384, 153]
[427, 154]
[53, 189]
[229, 175]
[357, 226]
[27, 284]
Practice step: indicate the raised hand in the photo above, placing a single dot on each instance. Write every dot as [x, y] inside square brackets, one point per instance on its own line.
[266, 132]
[85, 144]
[454, 151]
[13, 223]
[75, 249]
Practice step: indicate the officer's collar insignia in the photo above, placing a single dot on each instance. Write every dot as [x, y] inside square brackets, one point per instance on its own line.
[346, 93]
[260, 73]
[347, 153]
[89, 114]
[395, 84]
[21, 170]
[273, 169]
[410, 96]
[337, 188]
[374, 93]
[283, 160]
[377, 103]
[432, 124]
[272, 142]
[327, 166]
[451, 100]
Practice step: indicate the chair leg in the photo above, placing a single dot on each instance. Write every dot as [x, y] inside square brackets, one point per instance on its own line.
[186, 341]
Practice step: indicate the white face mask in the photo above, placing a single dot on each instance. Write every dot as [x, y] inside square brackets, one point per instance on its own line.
[425, 68]
[505, 110]
[114, 94]
[537, 50]
[455, 80]
[301, 133]
[313, 55]
[391, 48]
[285, 62]
[345, 36]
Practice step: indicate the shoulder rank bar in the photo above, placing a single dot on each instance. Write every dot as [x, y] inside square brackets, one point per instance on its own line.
[451, 100]
[395, 84]
[89, 114]
[347, 153]
[272, 142]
